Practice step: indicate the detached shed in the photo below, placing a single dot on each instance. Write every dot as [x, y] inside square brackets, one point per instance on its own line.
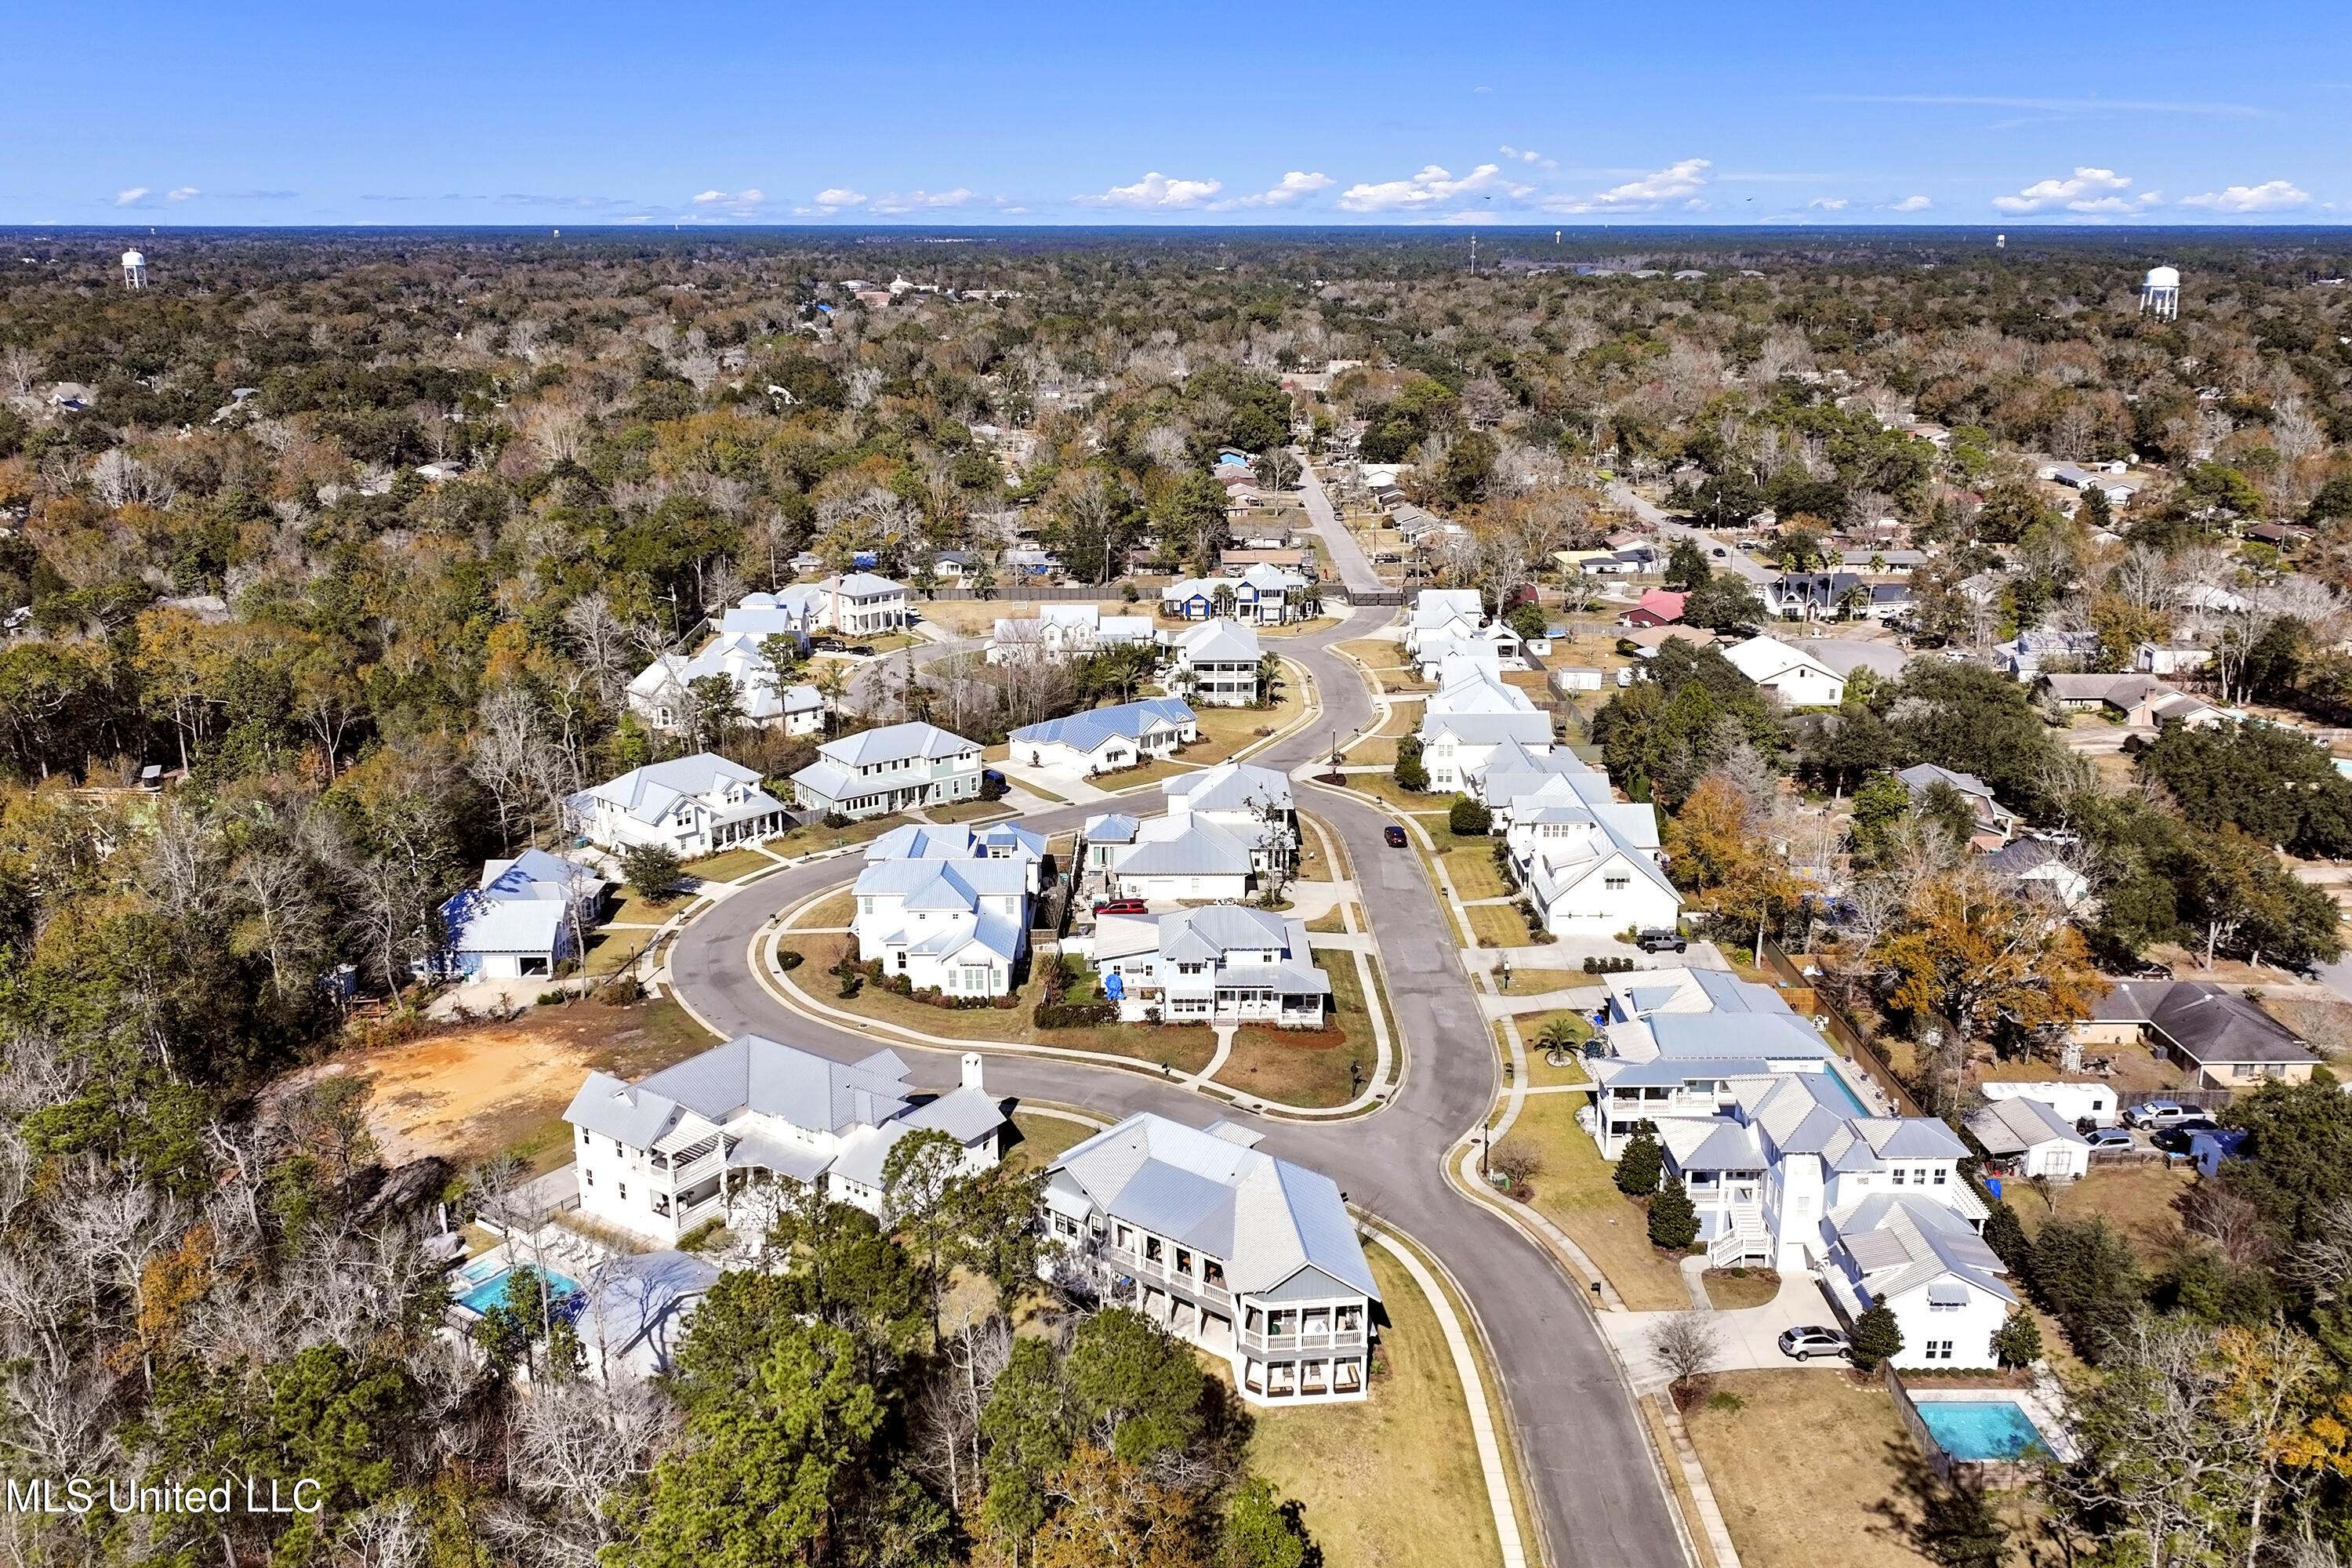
[2026, 1138]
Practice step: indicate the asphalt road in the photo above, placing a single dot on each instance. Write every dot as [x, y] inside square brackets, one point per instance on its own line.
[1340, 547]
[1596, 1490]
[1733, 558]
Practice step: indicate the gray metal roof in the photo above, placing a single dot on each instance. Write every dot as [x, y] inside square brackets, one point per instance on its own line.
[895, 742]
[1087, 731]
[1267, 1219]
[2013, 1126]
[750, 1073]
[1230, 787]
[1203, 849]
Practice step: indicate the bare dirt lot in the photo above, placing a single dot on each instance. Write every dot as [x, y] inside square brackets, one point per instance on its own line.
[477, 1090]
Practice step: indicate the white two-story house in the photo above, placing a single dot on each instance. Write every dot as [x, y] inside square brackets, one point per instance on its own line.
[1250, 1258]
[1215, 662]
[660, 694]
[898, 768]
[1221, 963]
[728, 1134]
[957, 926]
[696, 806]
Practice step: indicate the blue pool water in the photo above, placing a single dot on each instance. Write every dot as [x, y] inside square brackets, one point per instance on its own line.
[1981, 1428]
[491, 1292]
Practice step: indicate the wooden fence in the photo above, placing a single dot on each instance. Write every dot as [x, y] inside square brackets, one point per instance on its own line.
[1802, 996]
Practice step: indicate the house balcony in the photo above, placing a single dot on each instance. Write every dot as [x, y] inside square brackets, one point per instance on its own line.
[1292, 1344]
[700, 1168]
[1119, 1260]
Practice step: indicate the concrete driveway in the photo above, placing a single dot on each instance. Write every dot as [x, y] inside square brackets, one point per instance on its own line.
[1746, 1338]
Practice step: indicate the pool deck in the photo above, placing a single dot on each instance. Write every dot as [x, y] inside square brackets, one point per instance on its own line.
[2048, 1424]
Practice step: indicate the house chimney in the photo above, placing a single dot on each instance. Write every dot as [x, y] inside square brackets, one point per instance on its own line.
[971, 1064]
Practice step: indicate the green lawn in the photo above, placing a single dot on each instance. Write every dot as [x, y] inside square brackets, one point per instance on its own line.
[1474, 873]
[817, 836]
[1042, 1140]
[834, 909]
[1497, 925]
[1186, 1050]
[728, 865]
[1321, 1068]
[1576, 1189]
[1393, 1481]
[632, 909]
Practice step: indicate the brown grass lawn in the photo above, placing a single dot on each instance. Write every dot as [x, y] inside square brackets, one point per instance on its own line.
[1379, 752]
[1497, 925]
[1541, 1072]
[1474, 873]
[1184, 1049]
[2136, 1199]
[1576, 1190]
[729, 864]
[1378, 653]
[1392, 1482]
[977, 617]
[817, 836]
[1731, 1289]
[834, 910]
[1295, 1066]
[1152, 772]
[1403, 719]
[1532, 981]
[631, 907]
[475, 1091]
[1813, 1469]
[1334, 922]
[1042, 1140]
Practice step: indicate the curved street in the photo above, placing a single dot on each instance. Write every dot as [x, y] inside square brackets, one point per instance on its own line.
[1596, 1488]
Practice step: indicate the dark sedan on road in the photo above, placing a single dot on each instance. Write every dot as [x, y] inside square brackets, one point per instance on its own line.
[1395, 835]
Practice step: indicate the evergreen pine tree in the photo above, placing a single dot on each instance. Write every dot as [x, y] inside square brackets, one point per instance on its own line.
[1673, 1220]
[2017, 1342]
[2006, 1236]
[1878, 1337]
[1641, 1164]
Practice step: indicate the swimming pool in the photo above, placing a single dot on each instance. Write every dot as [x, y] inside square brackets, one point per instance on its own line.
[490, 1290]
[1982, 1429]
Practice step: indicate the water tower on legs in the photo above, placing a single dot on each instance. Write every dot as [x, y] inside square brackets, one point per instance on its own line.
[134, 270]
[2160, 293]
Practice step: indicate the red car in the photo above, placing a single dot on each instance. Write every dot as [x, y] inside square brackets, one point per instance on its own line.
[1122, 907]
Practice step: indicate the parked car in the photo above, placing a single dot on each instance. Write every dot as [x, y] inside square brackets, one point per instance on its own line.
[1807, 1341]
[1123, 907]
[1395, 836]
[1659, 940]
[2105, 1138]
[2146, 972]
[2158, 1113]
[1720, 550]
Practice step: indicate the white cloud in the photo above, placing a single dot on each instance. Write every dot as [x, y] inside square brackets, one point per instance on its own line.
[1155, 190]
[1429, 187]
[737, 204]
[1829, 204]
[182, 194]
[1672, 183]
[916, 201]
[2080, 193]
[1529, 155]
[2269, 197]
[129, 198]
[1910, 205]
[1296, 187]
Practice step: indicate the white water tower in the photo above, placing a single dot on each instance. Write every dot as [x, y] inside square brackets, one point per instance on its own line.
[2160, 293]
[134, 270]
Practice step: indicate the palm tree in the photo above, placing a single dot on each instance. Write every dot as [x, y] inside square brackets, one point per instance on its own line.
[1269, 679]
[831, 682]
[1559, 1035]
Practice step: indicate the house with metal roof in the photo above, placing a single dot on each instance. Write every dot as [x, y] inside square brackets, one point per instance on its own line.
[2024, 1137]
[1107, 740]
[900, 767]
[1185, 857]
[1249, 1257]
[728, 1134]
[1925, 1261]
[525, 916]
[1221, 963]
[954, 841]
[1443, 613]
[662, 696]
[695, 804]
[1495, 645]
[1065, 631]
[2209, 1031]
[957, 926]
[1216, 662]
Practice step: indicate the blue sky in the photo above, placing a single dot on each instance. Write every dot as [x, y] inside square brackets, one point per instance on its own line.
[1373, 112]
